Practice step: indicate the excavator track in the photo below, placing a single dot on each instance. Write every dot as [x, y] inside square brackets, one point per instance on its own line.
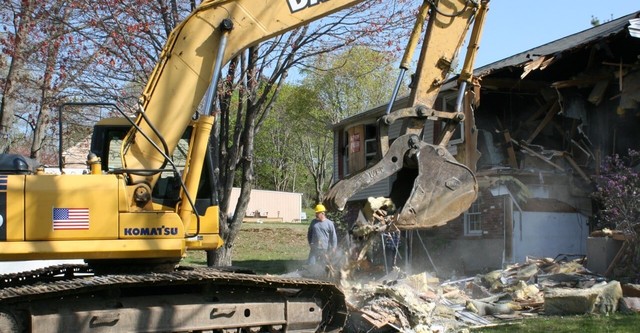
[66, 299]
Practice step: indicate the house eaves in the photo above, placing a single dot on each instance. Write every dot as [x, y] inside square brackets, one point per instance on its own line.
[374, 113]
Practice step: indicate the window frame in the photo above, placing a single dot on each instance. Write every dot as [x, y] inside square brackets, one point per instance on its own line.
[473, 216]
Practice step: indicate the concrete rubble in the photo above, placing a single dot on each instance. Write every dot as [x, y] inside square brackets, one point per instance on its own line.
[400, 302]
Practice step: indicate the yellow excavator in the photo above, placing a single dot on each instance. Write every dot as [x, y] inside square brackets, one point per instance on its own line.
[147, 197]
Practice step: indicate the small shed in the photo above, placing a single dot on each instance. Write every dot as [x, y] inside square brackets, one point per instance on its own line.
[270, 206]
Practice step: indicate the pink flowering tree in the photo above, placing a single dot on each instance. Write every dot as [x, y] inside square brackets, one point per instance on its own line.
[618, 199]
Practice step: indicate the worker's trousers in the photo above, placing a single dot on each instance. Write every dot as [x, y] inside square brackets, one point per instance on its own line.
[317, 256]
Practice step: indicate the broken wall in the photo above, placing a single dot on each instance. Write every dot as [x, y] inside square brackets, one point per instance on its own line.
[544, 126]
[547, 124]
[565, 113]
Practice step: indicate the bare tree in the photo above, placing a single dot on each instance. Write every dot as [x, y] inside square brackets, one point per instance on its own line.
[258, 76]
[15, 45]
[277, 150]
[318, 150]
[56, 32]
[61, 59]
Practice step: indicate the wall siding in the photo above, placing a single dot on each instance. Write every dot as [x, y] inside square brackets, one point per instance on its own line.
[337, 158]
[548, 234]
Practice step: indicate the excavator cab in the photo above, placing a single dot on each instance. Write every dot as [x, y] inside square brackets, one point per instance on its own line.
[431, 187]
[106, 141]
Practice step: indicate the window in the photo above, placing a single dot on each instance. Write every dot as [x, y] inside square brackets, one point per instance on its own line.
[114, 144]
[115, 161]
[168, 185]
[448, 104]
[345, 153]
[370, 144]
[473, 220]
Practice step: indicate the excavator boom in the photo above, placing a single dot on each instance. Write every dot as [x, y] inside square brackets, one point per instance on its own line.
[183, 74]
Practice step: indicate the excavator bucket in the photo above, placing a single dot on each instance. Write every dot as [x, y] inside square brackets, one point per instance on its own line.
[431, 187]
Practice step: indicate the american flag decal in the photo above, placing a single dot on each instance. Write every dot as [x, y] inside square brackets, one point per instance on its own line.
[70, 218]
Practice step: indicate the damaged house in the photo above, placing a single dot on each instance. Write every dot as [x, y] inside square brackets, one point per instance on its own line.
[543, 122]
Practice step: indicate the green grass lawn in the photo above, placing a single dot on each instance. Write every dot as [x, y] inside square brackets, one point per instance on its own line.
[266, 248]
[616, 323]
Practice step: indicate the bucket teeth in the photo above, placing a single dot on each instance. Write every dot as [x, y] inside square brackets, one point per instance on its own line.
[431, 187]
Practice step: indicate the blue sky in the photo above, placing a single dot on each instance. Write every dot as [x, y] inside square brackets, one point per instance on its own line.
[514, 26]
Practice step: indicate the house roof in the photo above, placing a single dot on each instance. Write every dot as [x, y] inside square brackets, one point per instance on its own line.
[561, 45]
[556, 47]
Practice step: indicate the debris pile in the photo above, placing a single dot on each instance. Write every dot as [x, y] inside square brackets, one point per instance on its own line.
[414, 303]
[404, 302]
[398, 302]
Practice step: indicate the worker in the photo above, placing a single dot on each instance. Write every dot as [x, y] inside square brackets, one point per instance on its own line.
[390, 244]
[321, 236]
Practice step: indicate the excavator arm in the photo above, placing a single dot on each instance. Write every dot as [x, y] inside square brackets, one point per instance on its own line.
[214, 33]
[431, 187]
[187, 72]
[119, 217]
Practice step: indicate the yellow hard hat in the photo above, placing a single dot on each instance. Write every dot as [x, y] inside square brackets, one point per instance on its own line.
[320, 208]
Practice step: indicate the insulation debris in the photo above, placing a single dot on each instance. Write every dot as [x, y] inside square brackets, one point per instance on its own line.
[398, 302]
[414, 303]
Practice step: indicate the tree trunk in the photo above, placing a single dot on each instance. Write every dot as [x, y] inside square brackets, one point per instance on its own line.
[16, 66]
[42, 120]
[231, 230]
[222, 256]
[239, 154]
[47, 90]
[7, 106]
